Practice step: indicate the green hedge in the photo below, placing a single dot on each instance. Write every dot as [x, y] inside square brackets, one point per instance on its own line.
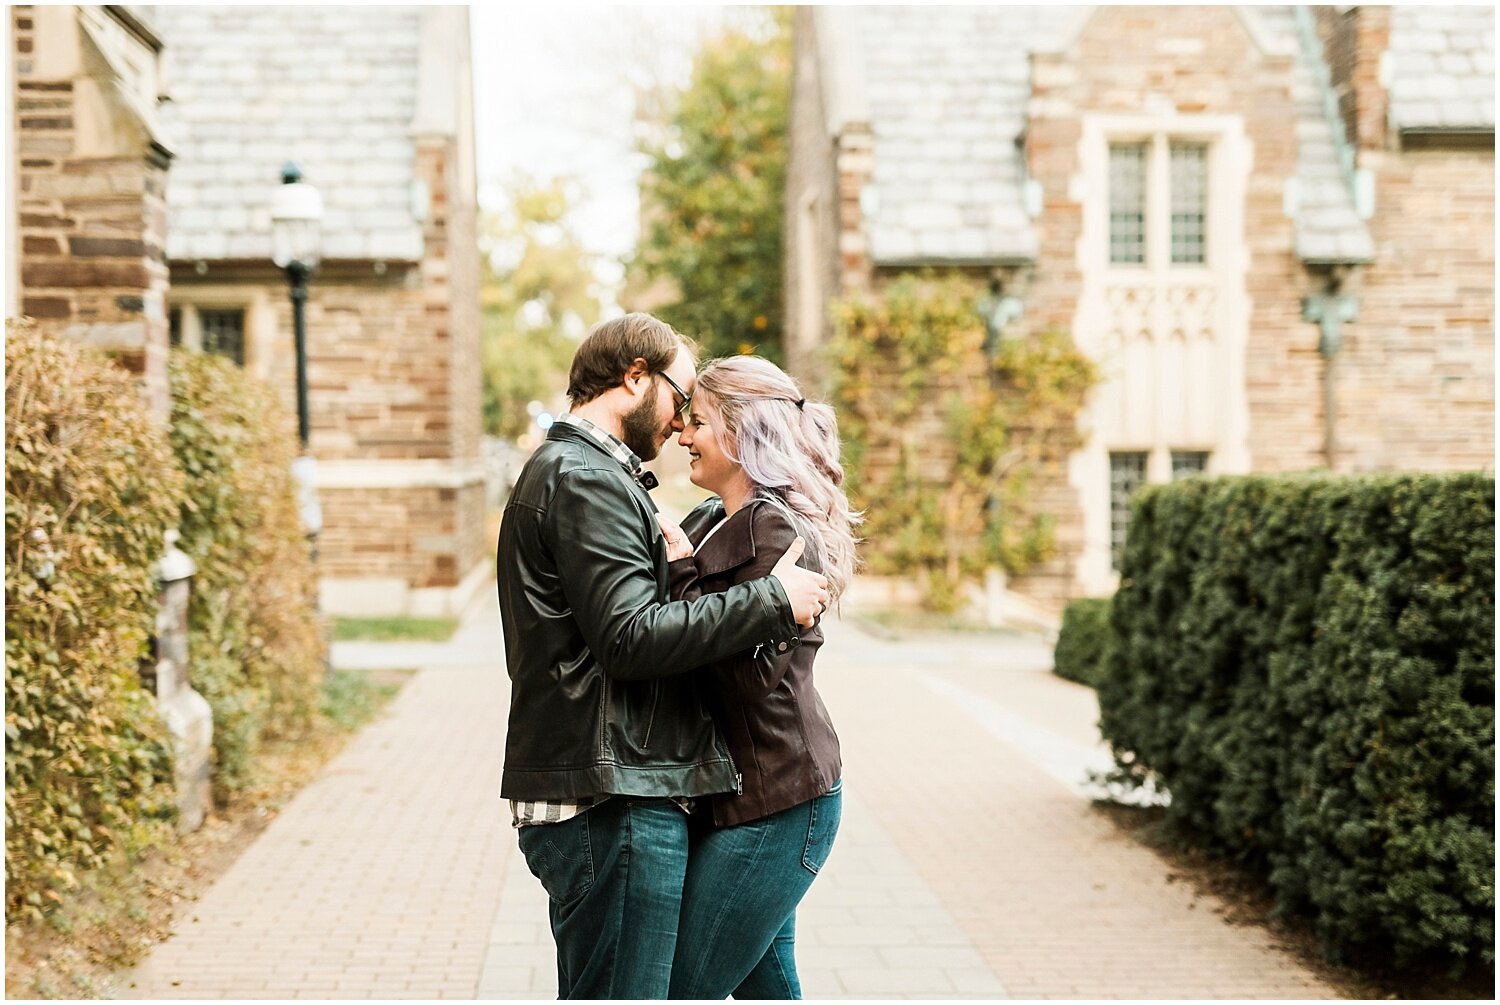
[256, 648]
[1307, 664]
[1083, 641]
[90, 489]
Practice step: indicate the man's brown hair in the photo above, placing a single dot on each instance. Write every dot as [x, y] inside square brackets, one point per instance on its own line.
[610, 347]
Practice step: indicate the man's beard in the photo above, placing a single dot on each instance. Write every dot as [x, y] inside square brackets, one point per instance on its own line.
[640, 429]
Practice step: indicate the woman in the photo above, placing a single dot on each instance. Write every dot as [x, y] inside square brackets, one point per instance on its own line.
[772, 458]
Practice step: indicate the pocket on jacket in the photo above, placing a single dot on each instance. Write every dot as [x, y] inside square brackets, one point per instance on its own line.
[822, 827]
[560, 856]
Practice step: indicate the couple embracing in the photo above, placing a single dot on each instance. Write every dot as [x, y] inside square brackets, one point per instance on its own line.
[672, 773]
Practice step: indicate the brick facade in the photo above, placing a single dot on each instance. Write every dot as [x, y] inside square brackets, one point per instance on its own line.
[91, 182]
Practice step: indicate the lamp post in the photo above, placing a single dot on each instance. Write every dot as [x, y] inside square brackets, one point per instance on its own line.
[296, 213]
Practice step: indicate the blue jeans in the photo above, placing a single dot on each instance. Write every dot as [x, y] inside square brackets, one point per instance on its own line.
[739, 903]
[614, 879]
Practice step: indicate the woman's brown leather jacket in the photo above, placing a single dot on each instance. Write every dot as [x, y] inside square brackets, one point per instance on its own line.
[763, 701]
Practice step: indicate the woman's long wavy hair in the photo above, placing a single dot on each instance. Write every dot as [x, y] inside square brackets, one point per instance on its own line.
[789, 448]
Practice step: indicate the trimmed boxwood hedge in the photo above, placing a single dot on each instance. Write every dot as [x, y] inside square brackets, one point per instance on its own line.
[1083, 641]
[1307, 664]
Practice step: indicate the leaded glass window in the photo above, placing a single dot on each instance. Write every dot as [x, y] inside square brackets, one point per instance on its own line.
[1186, 463]
[1127, 203]
[1127, 472]
[1189, 188]
[224, 333]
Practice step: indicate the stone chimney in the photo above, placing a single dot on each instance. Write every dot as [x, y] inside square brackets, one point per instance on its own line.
[1354, 40]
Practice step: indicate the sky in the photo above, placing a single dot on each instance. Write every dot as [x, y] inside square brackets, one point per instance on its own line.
[554, 94]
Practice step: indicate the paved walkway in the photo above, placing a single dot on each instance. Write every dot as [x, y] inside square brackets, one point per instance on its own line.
[969, 865]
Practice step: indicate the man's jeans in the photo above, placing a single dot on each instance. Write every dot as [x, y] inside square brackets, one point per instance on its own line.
[740, 900]
[614, 878]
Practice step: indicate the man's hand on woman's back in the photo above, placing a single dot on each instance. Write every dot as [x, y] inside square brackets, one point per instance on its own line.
[807, 590]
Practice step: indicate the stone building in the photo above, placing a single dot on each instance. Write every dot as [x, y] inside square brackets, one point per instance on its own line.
[87, 215]
[145, 145]
[374, 104]
[1273, 227]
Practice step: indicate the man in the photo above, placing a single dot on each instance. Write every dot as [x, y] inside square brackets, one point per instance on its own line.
[608, 739]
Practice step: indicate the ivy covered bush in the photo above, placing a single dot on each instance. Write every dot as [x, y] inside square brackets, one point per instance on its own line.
[90, 490]
[1083, 641]
[1307, 664]
[256, 647]
[943, 443]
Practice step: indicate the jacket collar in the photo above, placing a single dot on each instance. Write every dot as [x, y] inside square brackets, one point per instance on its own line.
[578, 429]
[732, 546]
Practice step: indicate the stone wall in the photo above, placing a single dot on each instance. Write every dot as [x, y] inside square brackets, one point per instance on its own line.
[379, 376]
[423, 536]
[92, 213]
[399, 469]
[854, 158]
[450, 281]
[1416, 378]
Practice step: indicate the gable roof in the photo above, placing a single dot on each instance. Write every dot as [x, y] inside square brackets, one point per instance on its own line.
[334, 89]
[1441, 68]
[944, 90]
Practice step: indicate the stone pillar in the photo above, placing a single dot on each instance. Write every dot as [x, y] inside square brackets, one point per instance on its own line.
[855, 159]
[186, 713]
[90, 178]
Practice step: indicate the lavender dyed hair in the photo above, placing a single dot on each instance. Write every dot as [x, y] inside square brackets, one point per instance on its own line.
[789, 448]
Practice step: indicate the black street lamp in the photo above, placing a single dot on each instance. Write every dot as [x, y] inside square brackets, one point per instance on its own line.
[296, 213]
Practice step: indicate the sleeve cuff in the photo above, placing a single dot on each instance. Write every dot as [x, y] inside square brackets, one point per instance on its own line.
[788, 634]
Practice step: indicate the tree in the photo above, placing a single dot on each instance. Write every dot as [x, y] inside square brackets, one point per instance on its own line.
[711, 194]
[539, 297]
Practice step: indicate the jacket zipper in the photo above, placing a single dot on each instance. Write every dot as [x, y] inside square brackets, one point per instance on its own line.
[651, 719]
[739, 779]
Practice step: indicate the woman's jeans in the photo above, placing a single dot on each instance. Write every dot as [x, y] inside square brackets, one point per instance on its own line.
[740, 900]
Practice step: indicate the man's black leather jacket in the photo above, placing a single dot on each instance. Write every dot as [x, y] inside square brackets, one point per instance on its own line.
[602, 702]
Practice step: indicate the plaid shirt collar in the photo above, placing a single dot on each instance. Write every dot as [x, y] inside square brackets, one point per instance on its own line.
[616, 448]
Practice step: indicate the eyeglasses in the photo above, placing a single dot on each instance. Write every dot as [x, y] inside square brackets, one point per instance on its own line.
[687, 399]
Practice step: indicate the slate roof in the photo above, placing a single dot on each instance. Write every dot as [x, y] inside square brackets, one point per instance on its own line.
[945, 91]
[1442, 68]
[332, 88]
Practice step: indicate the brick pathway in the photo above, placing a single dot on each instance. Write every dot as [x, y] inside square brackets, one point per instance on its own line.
[968, 865]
